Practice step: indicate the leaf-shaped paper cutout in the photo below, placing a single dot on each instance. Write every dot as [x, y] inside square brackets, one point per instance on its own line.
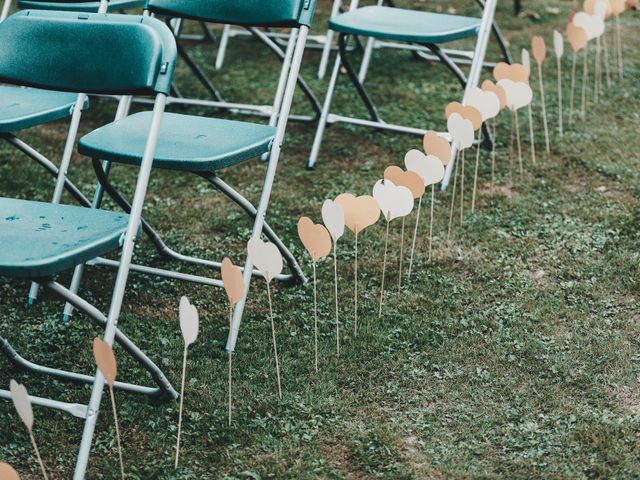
[266, 257]
[189, 322]
[359, 212]
[333, 219]
[409, 179]
[434, 144]
[22, 403]
[232, 281]
[315, 238]
[105, 360]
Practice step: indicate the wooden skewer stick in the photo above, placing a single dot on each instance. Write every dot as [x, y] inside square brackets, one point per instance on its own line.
[619, 38]
[384, 266]
[493, 154]
[544, 110]
[605, 48]
[273, 336]
[585, 73]
[401, 255]
[415, 236]
[184, 372]
[40, 462]
[559, 64]
[475, 174]
[230, 356]
[315, 315]
[355, 285]
[335, 283]
[433, 199]
[462, 188]
[515, 118]
[453, 195]
[573, 86]
[532, 141]
[115, 421]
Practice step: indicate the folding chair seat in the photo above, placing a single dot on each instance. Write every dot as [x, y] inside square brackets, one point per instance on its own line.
[416, 28]
[79, 6]
[59, 51]
[22, 108]
[187, 142]
[59, 236]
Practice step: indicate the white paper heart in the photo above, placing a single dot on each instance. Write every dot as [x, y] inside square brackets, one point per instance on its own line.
[558, 43]
[266, 257]
[519, 94]
[22, 403]
[333, 219]
[526, 60]
[601, 8]
[189, 322]
[487, 103]
[461, 130]
[395, 201]
[593, 25]
[429, 167]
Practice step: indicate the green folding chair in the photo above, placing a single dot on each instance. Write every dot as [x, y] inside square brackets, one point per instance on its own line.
[70, 51]
[426, 30]
[205, 146]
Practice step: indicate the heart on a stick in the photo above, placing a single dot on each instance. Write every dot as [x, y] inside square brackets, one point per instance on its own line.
[592, 24]
[407, 178]
[315, 238]
[617, 6]
[461, 130]
[105, 360]
[359, 212]
[489, 86]
[266, 257]
[429, 167]
[558, 44]
[539, 49]
[526, 60]
[232, 281]
[576, 36]
[487, 103]
[189, 323]
[434, 144]
[394, 201]
[22, 403]
[7, 472]
[519, 94]
[468, 112]
[333, 219]
[592, 7]
[515, 72]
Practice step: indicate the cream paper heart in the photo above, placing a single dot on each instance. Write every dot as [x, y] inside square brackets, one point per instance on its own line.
[526, 60]
[558, 44]
[333, 219]
[519, 94]
[461, 130]
[266, 257]
[22, 403]
[487, 103]
[395, 201]
[429, 167]
[189, 323]
[593, 25]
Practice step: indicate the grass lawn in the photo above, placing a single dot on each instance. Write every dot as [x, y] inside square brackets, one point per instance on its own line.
[514, 353]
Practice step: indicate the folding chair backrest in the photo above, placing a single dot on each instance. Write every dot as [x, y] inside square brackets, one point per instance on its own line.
[85, 52]
[249, 13]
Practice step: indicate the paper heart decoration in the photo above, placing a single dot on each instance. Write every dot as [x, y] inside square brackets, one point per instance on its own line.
[359, 212]
[526, 60]
[105, 360]
[519, 94]
[487, 103]
[266, 257]
[189, 323]
[515, 72]
[395, 201]
[7, 472]
[577, 37]
[429, 167]
[407, 178]
[468, 112]
[539, 49]
[461, 130]
[22, 403]
[592, 24]
[232, 281]
[592, 7]
[489, 86]
[617, 6]
[558, 44]
[434, 144]
[333, 219]
[315, 238]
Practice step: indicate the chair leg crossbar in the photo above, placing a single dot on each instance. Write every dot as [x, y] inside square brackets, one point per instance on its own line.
[163, 390]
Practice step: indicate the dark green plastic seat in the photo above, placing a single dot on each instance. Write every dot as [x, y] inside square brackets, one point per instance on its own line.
[405, 25]
[22, 108]
[40, 239]
[82, 6]
[186, 142]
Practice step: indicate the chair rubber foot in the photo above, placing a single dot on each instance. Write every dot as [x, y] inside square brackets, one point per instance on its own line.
[31, 302]
[311, 167]
[65, 318]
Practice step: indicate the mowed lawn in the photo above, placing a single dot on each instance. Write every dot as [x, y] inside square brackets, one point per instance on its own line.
[513, 354]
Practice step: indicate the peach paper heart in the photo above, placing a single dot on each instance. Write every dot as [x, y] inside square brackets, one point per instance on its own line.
[315, 238]
[465, 111]
[7, 472]
[359, 212]
[405, 178]
[576, 36]
[434, 144]
[539, 49]
[489, 86]
[515, 72]
[105, 360]
[232, 281]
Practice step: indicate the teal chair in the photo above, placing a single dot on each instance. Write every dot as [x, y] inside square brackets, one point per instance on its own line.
[206, 146]
[67, 52]
[426, 30]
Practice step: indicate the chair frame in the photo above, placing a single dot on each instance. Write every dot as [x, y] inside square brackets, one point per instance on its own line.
[375, 121]
[111, 333]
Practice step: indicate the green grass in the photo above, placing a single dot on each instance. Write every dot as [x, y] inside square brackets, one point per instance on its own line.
[513, 354]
